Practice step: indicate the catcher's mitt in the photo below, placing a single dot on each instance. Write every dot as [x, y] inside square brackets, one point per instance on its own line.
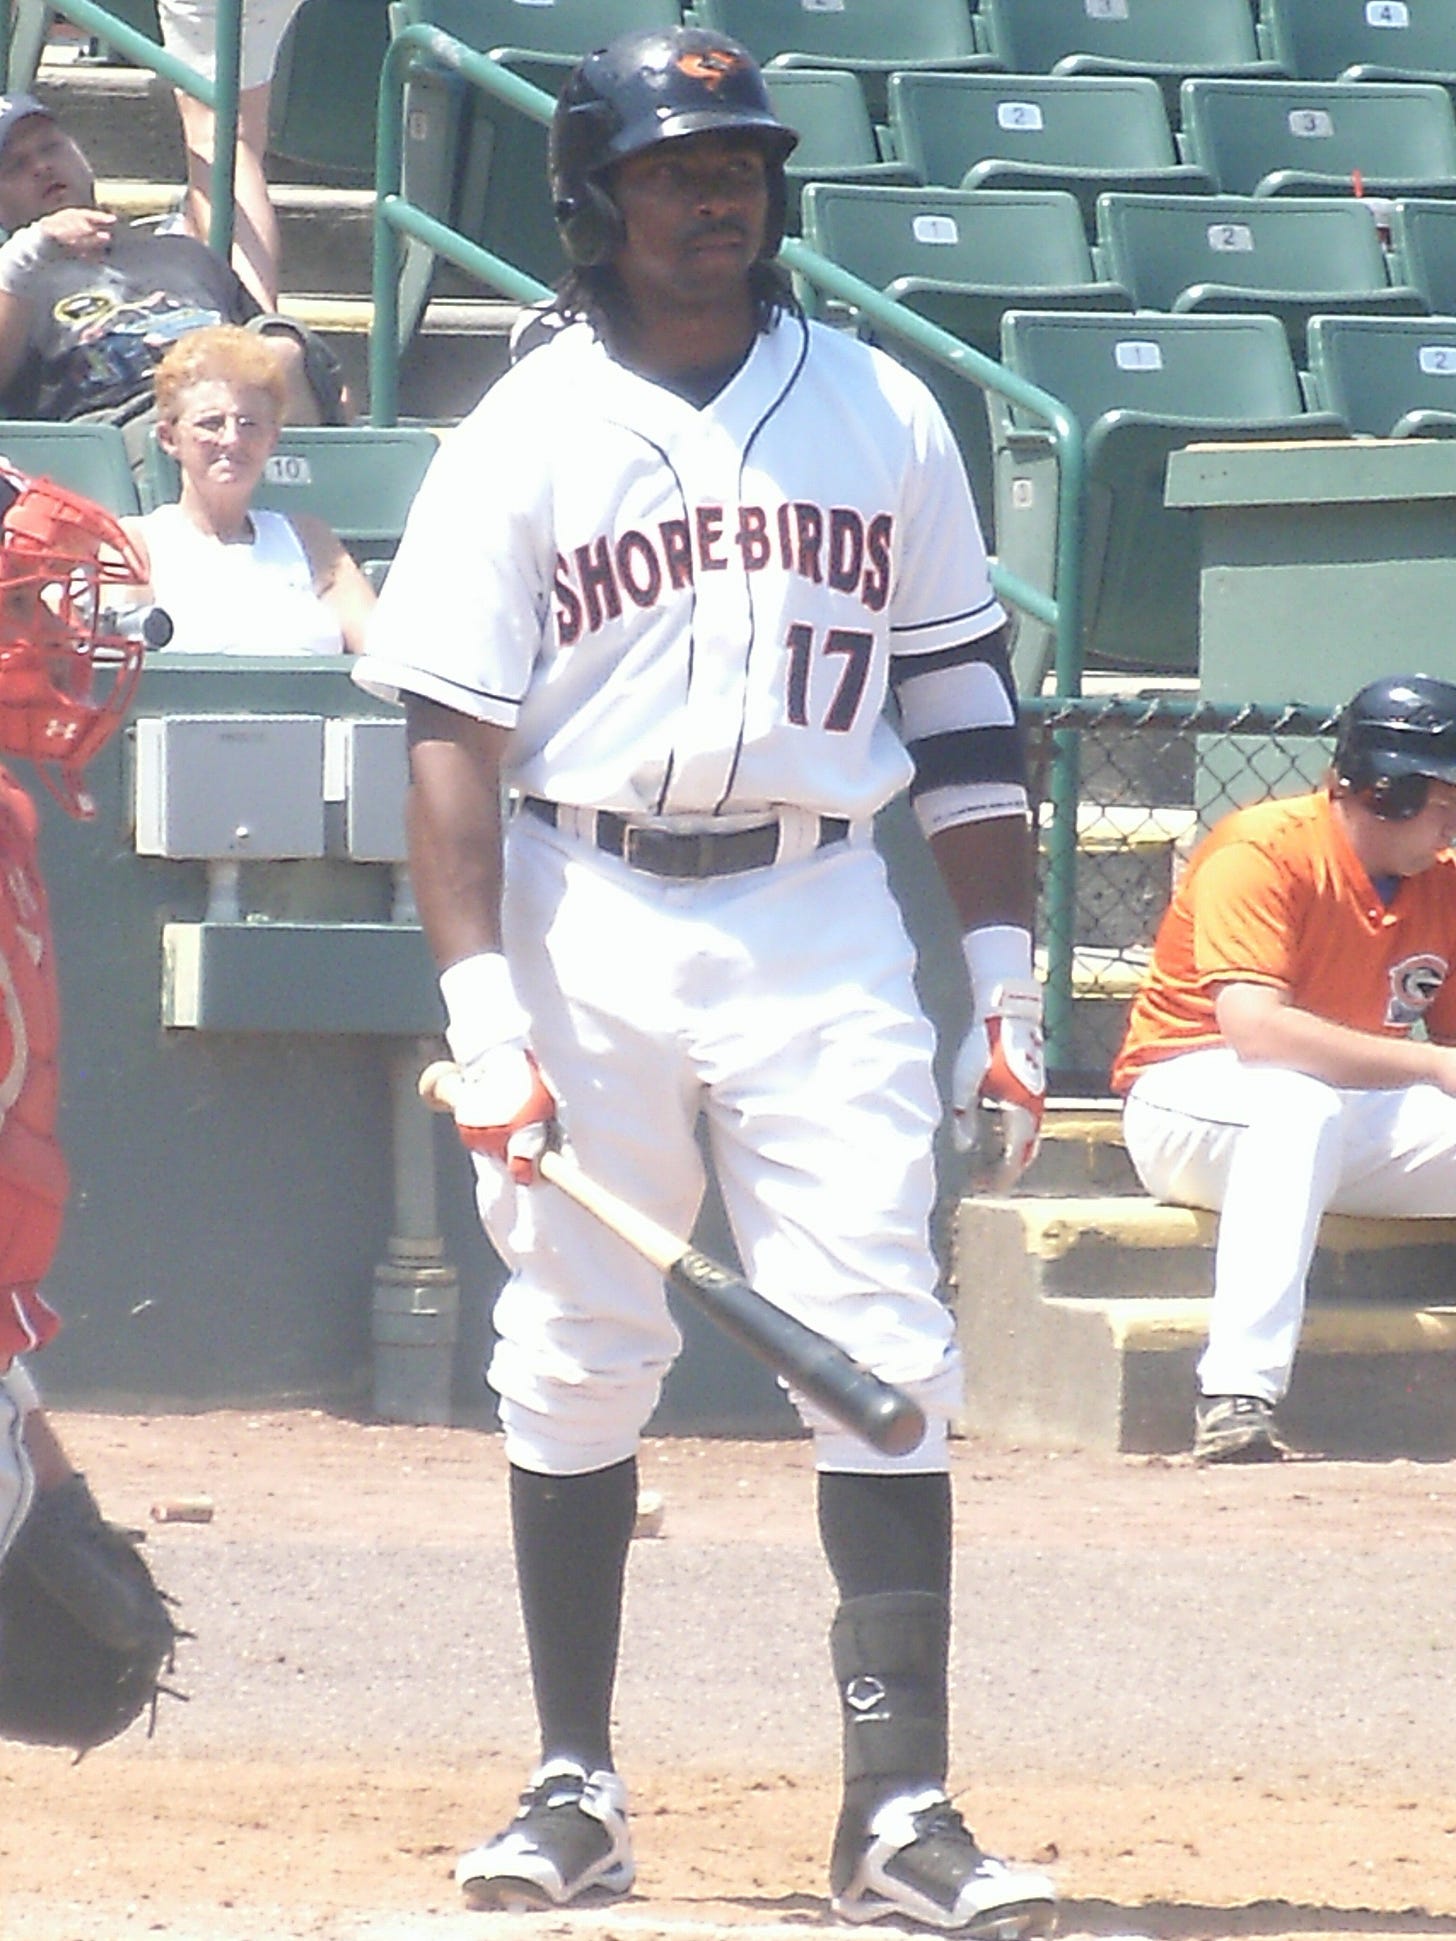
[85, 1635]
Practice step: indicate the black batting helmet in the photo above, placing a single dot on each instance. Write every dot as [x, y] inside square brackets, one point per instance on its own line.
[1395, 737]
[649, 87]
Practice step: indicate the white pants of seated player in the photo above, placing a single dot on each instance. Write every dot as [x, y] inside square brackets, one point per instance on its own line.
[1272, 1150]
[780, 1004]
[17, 1483]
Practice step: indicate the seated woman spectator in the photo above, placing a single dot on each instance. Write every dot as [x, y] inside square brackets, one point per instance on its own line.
[234, 578]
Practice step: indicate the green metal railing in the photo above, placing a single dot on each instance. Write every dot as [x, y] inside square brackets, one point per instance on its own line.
[220, 95]
[395, 217]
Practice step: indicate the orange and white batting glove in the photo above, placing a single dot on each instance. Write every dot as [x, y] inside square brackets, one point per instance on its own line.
[1000, 1071]
[503, 1106]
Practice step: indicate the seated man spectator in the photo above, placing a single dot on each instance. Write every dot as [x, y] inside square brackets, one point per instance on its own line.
[1292, 1049]
[90, 301]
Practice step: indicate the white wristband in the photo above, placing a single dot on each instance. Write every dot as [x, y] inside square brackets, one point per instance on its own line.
[481, 1006]
[995, 954]
[22, 254]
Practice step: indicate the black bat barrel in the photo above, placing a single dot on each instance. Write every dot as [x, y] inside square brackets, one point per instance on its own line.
[875, 1410]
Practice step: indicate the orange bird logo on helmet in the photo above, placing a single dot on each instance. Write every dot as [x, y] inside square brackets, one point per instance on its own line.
[710, 65]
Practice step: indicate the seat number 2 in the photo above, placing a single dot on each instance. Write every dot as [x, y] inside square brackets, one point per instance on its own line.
[847, 643]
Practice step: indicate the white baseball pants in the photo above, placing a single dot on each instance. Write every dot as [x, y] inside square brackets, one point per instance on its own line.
[779, 1004]
[1272, 1150]
[17, 1481]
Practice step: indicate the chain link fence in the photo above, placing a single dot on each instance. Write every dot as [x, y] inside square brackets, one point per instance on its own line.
[1124, 788]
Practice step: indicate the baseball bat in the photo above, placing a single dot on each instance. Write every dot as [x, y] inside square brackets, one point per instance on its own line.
[879, 1413]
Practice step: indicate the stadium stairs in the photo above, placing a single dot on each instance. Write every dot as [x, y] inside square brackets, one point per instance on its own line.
[126, 120]
[1083, 1306]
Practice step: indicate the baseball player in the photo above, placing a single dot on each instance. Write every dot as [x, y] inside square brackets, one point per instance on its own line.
[57, 707]
[658, 587]
[1271, 1064]
[84, 1632]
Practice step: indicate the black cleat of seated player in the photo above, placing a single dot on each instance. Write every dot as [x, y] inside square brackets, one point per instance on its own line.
[568, 1842]
[1236, 1429]
[918, 1862]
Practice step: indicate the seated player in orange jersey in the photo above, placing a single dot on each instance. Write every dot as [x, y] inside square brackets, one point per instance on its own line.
[1271, 1065]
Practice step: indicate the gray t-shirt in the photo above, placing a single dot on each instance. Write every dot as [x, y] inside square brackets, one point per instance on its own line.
[100, 328]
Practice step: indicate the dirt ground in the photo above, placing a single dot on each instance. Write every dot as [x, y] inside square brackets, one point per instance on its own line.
[1211, 1703]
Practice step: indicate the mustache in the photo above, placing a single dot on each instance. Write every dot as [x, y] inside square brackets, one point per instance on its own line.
[723, 227]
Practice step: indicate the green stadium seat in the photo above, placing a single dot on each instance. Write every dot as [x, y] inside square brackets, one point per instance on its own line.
[1286, 256]
[324, 103]
[837, 140]
[1318, 137]
[1141, 387]
[1423, 250]
[1168, 40]
[90, 459]
[1086, 134]
[1363, 40]
[870, 38]
[961, 257]
[1386, 377]
[359, 479]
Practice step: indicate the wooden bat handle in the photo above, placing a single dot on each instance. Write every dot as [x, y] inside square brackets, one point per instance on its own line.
[439, 1087]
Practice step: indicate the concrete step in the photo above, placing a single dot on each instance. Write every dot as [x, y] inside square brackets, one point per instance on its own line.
[1082, 1320]
[455, 355]
[1128, 857]
[1082, 1154]
[326, 234]
[1124, 764]
[125, 118]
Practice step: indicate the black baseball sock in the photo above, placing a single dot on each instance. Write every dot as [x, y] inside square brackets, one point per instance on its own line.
[887, 1539]
[886, 1532]
[571, 1536]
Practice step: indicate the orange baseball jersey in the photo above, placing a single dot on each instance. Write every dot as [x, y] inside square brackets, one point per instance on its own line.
[32, 1169]
[1275, 895]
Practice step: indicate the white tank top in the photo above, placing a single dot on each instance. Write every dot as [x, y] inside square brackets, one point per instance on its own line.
[238, 599]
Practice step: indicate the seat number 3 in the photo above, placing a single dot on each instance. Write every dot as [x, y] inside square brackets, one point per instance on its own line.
[855, 648]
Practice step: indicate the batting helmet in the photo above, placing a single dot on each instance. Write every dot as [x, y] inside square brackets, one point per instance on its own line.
[68, 667]
[649, 87]
[1396, 737]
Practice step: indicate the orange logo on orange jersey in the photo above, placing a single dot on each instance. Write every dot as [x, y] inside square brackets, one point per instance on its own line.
[710, 65]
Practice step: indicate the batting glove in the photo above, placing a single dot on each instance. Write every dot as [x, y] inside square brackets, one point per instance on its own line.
[998, 1087]
[503, 1107]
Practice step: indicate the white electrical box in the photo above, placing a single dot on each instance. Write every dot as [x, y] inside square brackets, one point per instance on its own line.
[375, 776]
[239, 786]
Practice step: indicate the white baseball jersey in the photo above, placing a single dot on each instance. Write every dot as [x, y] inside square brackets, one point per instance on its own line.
[685, 611]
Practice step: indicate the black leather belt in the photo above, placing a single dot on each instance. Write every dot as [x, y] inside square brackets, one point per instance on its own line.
[687, 853]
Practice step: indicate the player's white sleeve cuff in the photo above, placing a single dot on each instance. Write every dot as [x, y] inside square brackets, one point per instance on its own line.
[391, 680]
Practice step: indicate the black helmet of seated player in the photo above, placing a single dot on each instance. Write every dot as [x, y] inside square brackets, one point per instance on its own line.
[645, 88]
[1395, 738]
